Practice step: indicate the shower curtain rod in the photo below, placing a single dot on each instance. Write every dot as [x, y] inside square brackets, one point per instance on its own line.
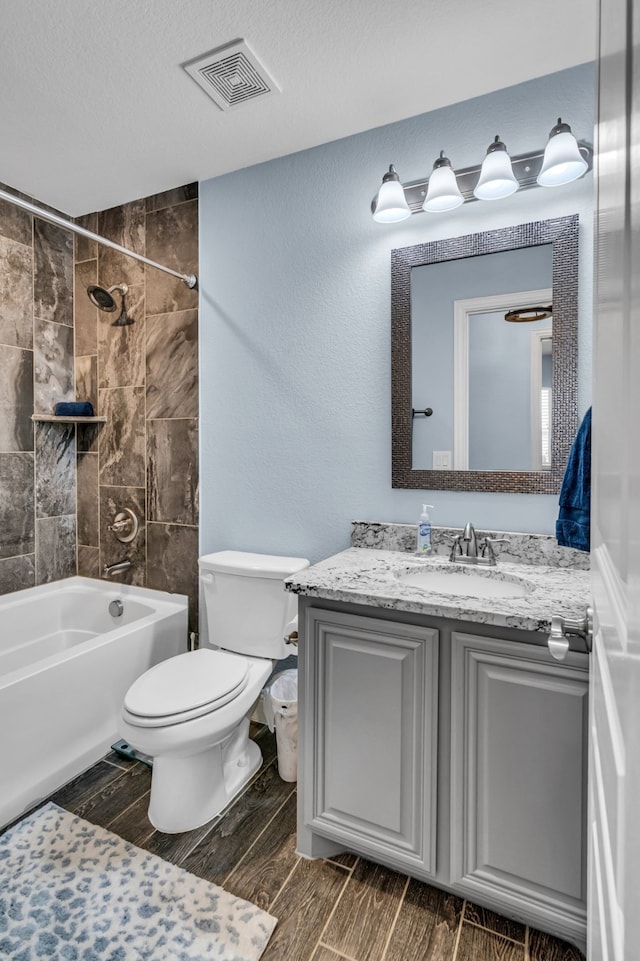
[189, 279]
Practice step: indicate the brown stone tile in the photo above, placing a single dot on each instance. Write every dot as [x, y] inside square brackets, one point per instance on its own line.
[172, 240]
[87, 380]
[122, 438]
[494, 922]
[88, 500]
[544, 947]
[16, 294]
[52, 273]
[172, 563]
[172, 470]
[427, 925]
[172, 365]
[16, 399]
[53, 365]
[360, 925]
[88, 561]
[17, 520]
[86, 249]
[123, 225]
[302, 908]
[15, 224]
[17, 573]
[241, 826]
[55, 548]
[169, 198]
[479, 943]
[112, 551]
[121, 350]
[267, 865]
[55, 447]
[84, 313]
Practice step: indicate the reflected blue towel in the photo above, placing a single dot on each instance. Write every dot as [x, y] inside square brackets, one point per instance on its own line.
[573, 527]
[69, 408]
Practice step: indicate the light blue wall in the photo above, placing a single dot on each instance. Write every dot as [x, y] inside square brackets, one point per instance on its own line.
[295, 323]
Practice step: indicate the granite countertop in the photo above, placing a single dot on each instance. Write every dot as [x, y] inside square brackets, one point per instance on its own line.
[364, 576]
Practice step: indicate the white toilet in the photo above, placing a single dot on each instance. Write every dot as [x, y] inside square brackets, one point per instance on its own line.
[190, 713]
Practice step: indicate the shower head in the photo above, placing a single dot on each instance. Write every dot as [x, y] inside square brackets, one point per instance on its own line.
[101, 296]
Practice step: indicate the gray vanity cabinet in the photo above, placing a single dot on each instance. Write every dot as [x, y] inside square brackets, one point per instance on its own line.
[374, 703]
[518, 776]
[453, 751]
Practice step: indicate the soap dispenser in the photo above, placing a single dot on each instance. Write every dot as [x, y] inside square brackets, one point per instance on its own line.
[424, 531]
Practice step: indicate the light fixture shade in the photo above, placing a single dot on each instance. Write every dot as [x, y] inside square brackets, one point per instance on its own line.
[497, 179]
[391, 206]
[443, 192]
[562, 161]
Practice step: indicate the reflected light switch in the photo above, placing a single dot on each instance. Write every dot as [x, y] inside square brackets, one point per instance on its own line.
[442, 460]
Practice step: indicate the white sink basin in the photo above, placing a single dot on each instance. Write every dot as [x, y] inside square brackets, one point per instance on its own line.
[467, 583]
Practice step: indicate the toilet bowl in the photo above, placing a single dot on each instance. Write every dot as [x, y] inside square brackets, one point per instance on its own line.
[190, 713]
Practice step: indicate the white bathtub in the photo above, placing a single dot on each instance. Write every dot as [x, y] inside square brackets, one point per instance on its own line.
[65, 665]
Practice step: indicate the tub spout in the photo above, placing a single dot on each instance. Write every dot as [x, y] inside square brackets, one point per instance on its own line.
[110, 569]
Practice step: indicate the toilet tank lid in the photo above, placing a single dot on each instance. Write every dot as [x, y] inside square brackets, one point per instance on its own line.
[252, 565]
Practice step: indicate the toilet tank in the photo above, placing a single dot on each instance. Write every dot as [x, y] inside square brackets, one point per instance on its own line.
[247, 607]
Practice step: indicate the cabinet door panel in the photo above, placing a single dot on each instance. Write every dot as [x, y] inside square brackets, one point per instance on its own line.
[375, 734]
[519, 774]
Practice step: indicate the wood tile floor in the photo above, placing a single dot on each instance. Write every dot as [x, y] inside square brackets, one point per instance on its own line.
[333, 910]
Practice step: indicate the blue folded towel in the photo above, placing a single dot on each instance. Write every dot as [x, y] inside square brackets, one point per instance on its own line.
[68, 408]
[573, 527]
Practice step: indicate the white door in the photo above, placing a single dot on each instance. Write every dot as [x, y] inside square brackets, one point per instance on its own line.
[614, 769]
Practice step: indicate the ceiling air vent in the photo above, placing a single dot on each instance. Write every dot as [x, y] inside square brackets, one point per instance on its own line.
[231, 75]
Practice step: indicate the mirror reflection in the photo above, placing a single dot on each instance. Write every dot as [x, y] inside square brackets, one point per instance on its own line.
[487, 380]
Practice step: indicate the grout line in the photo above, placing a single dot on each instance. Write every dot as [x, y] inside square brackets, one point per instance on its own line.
[459, 932]
[527, 955]
[340, 954]
[284, 883]
[331, 914]
[255, 841]
[124, 810]
[395, 920]
[498, 934]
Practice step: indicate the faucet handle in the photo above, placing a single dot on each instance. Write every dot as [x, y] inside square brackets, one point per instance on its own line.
[487, 547]
[456, 547]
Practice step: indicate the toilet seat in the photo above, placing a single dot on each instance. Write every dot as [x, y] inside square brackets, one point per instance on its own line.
[185, 687]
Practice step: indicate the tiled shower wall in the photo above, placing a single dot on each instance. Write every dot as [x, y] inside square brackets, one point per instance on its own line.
[144, 379]
[37, 476]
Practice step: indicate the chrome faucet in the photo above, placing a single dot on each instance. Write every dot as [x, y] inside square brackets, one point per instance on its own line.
[110, 569]
[465, 546]
[466, 549]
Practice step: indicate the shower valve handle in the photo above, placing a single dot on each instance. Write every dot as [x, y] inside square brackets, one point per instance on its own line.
[125, 525]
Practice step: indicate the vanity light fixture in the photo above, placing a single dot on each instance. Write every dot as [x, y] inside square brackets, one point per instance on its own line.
[443, 192]
[391, 205]
[563, 160]
[497, 179]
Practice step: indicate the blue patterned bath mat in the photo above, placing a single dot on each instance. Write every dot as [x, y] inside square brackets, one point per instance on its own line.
[71, 891]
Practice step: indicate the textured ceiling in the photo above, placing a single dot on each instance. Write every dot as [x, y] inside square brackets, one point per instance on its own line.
[97, 110]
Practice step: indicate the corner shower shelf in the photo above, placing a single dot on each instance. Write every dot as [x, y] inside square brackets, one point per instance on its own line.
[54, 419]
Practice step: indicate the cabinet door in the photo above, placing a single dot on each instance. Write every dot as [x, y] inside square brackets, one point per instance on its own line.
[518, 765]
[375, 719]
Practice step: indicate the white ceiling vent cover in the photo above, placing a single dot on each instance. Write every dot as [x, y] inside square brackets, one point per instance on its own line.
[231, 75]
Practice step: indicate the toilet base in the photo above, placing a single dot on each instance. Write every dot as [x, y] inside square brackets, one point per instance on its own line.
[186, 792]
